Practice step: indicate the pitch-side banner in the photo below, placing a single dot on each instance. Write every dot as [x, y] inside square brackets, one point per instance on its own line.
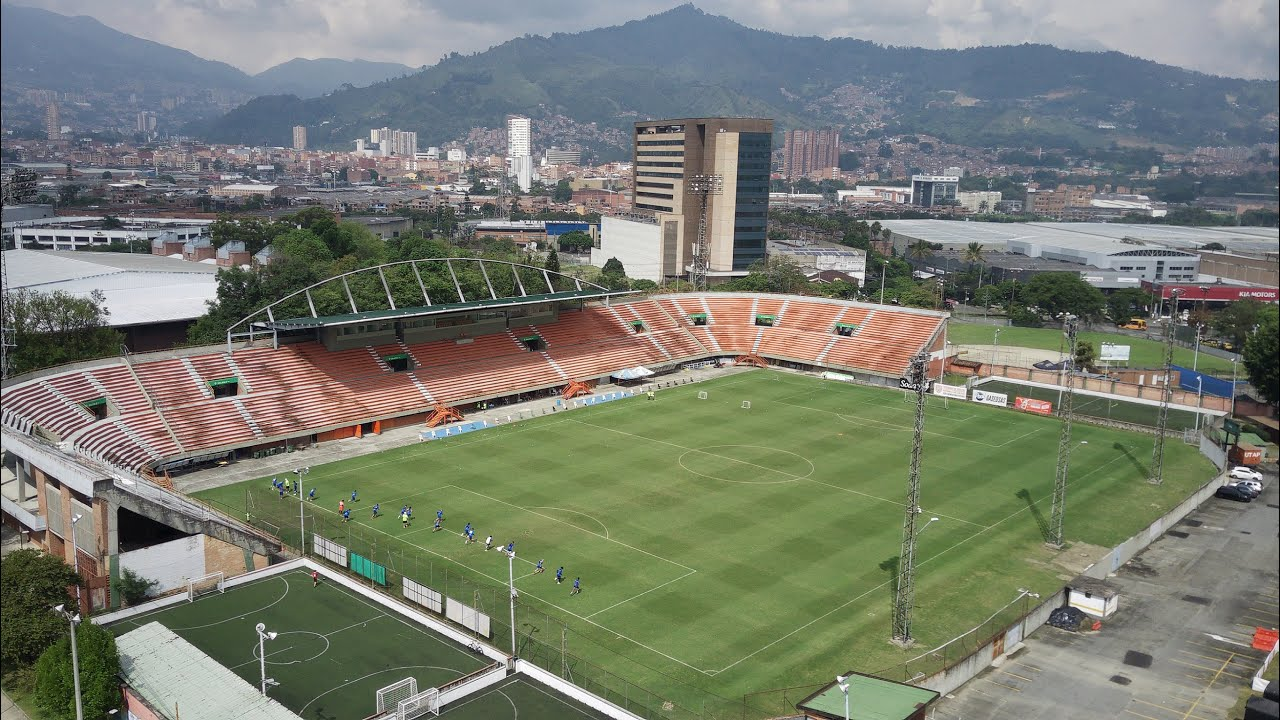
[955, 392]
[1031, 405]
[990, 398]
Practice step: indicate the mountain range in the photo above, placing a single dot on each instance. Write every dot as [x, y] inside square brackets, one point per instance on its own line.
[78, 54]
[587, 88]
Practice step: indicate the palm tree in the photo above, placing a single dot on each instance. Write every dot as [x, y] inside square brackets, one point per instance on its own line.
[919, 250]
[973, 256]
[982, 207]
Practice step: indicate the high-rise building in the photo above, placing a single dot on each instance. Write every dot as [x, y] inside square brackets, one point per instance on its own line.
[299, 137]
[934, 190]
[672, 157]
[52, 123]
[556, 156]
[807, 151]
[520, 151]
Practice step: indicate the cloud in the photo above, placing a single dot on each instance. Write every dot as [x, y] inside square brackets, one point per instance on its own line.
[1225, 37]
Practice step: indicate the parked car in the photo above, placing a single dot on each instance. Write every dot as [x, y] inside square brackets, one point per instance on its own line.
[1253, 485]
[1232, 492]
[1240, 472]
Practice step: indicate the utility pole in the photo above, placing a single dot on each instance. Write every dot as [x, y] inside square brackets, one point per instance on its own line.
[904, 597]
[1064, 439]
[1157, 453]
[704, 186]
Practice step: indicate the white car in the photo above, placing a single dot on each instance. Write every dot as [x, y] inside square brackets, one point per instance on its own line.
[1253, 485]
[1244, 473]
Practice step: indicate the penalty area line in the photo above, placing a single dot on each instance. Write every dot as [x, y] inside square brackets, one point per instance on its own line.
[646, 592]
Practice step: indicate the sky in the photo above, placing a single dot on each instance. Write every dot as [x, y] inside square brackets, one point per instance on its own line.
[1237, 38]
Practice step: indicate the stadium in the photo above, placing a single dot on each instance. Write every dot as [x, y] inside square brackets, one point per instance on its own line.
[725, 473]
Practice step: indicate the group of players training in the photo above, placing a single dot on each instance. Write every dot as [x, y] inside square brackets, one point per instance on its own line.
[287, 486]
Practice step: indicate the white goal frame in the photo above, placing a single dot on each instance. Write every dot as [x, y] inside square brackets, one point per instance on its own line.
[390, 697]
[426, 702]
[202, 586]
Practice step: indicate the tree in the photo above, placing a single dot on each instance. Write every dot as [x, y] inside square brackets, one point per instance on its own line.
[885, 151]
[562, 192]
[772, 273]
[111, 222]
[67, 194]
[553, 261]
[613, 266]
[1126, 303]
[575, 241]
[133, 587]
[32, 582]
[1055, 293]
[57, 327]
[1086, 356]
[1262, 355]
[1236, 321]
[106, 174]
[99, 662]
[255, 202]
[1210, 246]
[919, 250]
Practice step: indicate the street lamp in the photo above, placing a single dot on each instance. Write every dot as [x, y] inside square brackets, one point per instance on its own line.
[75, 557]
[1195, 357]
[844, 688]
[1199, 399]
[263, 636]
[74, 619]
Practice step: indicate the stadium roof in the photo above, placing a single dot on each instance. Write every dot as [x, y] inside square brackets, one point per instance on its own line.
[169, 672]
[139, 288]
[994, 236]
[375, 315]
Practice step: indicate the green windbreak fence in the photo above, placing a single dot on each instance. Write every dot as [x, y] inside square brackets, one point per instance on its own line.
[365, 567]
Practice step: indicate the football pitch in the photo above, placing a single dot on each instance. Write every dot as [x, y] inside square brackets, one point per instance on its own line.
[724, 550]
[334, 649]
[1098, 407]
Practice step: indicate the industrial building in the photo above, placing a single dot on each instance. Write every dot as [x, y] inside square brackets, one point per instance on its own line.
[80, 232]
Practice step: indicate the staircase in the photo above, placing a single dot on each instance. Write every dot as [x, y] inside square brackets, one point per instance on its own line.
[200, 383]
[244, 413]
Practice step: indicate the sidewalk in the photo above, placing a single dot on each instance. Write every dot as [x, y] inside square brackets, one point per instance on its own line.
[9, 711]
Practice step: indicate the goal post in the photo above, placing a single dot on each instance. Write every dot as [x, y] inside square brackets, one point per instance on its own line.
[390, 697]
[204, 585]
[426, 702]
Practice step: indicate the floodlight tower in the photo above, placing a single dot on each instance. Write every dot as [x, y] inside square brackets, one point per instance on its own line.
[905, 596]
[1157, 453]
[1069, 328]
[704, 186]
[6, 318]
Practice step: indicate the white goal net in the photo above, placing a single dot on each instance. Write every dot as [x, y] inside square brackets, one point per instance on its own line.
[390, 697]
[205, 584]
[426, 702]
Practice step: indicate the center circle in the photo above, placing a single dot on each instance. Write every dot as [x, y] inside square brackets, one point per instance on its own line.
[294, 646]
[746, 464]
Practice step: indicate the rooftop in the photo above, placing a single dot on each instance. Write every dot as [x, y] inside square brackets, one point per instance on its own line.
[870, 698]
[1093, 235]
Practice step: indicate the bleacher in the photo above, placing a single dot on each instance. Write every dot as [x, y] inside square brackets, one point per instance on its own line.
[300, 389]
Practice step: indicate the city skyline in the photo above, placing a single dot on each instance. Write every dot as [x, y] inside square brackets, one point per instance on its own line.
[1236, 38]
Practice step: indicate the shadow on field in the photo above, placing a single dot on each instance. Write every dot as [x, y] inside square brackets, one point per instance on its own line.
[890, 567]
[1136, 463]
[1025, 495]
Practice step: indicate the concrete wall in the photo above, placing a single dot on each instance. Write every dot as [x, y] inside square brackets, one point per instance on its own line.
[169, 563]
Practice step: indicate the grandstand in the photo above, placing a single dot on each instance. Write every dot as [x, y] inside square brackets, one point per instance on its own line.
[328, 377]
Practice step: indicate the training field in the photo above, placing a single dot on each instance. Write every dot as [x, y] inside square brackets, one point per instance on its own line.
[1143, 353]
[727, 550]
[334, 649]
[1098, 407]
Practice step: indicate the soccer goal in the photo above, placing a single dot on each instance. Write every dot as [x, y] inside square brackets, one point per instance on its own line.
[205, 584]
[426, 702]
[702, 394]
[390, 697]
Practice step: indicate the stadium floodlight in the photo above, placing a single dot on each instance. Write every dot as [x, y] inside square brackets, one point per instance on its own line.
[263, 636]
[74, 619]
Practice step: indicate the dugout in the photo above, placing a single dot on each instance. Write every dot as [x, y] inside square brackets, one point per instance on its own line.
[870, 698]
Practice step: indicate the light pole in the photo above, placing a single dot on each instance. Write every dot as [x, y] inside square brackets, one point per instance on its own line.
[1199, 399]
[75, 558]
[995, 346]
[263, 636]
[74, 619]
[844, 688]
[302, 523]
[511, 581]
[1195, 356]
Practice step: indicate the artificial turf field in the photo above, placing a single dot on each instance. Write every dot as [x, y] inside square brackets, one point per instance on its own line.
[727, 550]
[335, 649]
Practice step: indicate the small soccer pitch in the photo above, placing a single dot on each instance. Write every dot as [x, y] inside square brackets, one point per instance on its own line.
[334, 650]
[725, 549]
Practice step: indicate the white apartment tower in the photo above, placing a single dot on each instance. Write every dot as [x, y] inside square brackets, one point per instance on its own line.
[520, 151]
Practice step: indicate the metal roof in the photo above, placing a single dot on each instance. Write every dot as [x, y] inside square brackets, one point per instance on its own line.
[1085, 235]
[376, 315]
[169, 672]
[870, 698]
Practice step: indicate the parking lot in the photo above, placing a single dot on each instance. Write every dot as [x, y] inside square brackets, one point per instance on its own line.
[1178, 649]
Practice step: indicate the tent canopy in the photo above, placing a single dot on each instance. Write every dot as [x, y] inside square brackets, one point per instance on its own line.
[636, 373]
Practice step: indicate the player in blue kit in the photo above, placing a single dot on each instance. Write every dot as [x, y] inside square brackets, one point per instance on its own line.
[560, 575]
[375, 509]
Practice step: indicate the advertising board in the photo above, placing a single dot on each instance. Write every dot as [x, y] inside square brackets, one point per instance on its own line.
[1031, 405]
[1114, 353]
[955, 392]
[990, 398]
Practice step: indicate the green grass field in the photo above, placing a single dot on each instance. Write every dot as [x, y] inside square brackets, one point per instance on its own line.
[726, 550]
[335, 649]
[1143, 353]
[1098, 407]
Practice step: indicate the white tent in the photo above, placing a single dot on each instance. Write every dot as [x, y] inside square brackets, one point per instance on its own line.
[636, 373]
